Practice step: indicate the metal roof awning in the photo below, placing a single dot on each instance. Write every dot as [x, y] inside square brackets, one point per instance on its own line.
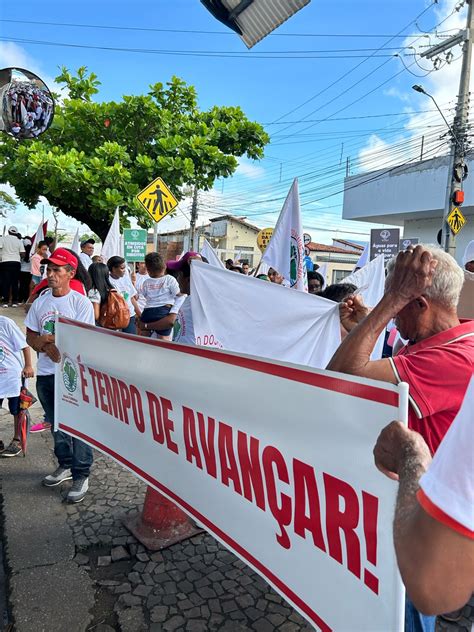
[253, 19]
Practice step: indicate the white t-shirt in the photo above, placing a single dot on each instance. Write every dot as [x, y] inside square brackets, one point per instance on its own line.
[448, 485]
[183, 330]
[139, 281]
[94, 295]
[85, 259]
[42, 314]
[126, 288]
[12, 341]
[160, 291]
[11, 247]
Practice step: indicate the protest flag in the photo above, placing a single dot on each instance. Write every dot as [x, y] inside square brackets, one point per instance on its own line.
[208, 251]
[75, 242]
[285, 251]
[39, 236]
[112, 246]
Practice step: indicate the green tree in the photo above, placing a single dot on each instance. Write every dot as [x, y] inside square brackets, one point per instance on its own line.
[7, 203]
[99, 155]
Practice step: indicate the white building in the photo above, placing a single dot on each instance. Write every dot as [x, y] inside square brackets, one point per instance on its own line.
[412, 197]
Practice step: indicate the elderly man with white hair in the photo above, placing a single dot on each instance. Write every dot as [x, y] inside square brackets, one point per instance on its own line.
[421, 293]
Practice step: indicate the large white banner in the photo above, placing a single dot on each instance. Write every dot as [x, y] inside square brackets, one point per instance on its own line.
[243, 314]
[274, 460]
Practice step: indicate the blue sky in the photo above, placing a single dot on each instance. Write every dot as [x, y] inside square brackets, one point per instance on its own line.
[375, 86]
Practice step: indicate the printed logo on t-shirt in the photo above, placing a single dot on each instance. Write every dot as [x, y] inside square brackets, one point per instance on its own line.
[179, 327]
[69, 373]
[48, 325]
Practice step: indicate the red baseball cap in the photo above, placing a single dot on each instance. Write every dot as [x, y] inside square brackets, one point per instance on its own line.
[62, 257]
[178, 265]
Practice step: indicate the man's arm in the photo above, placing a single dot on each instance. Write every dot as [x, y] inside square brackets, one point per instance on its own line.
[43, 344]
[412, 275]
[436, 562]
[164, 323]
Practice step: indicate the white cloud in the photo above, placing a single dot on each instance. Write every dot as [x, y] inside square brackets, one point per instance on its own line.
[249, 169]
[12, 55]
[442, 84]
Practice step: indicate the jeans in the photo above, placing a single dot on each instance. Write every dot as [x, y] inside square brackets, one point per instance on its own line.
[417, 622]
[70, 452]
[10, 280]
[131, 328]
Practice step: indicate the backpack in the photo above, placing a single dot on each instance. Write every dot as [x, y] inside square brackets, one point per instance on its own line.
[114, 313]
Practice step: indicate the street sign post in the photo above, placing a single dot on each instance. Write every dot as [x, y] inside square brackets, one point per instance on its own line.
[384, 242]
[134, 241]
[306, 238]
[456, 220]
[157, 200]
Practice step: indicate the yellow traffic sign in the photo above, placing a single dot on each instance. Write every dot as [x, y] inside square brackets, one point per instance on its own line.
[263, 238]
[456, 220]
[157, 200]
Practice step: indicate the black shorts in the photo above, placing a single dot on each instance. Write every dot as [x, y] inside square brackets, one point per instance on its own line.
[13, 405]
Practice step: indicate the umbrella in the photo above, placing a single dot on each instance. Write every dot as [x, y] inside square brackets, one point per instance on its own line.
[23, 420]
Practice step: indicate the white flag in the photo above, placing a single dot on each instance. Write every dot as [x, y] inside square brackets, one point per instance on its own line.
[208, 251]
[75, 242]
[370, 281]
[285, 251]
[323, 271]
[246, 315]
[112, 246]
[363, 259]
[39, 236]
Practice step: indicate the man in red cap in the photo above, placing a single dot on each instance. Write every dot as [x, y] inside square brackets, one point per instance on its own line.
[74, 456]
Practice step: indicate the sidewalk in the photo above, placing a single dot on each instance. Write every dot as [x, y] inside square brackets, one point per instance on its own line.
[76, 568]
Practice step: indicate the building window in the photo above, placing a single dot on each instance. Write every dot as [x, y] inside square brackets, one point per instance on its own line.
[339, 275]
[246, 252]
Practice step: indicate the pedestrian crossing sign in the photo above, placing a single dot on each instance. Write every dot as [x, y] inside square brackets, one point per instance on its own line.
[456, 220]
[157, 200]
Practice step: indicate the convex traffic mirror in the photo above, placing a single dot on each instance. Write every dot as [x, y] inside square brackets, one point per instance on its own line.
[27, 105]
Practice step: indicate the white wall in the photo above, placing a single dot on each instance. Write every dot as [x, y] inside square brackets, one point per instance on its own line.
[420, 189]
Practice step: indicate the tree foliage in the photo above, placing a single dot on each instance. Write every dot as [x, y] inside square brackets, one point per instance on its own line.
[99, 155]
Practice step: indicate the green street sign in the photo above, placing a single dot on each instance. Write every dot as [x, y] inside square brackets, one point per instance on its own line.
[134, 240]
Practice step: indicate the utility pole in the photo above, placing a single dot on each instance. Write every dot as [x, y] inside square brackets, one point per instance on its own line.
[458, 149]
[194, 215]
[456, 166]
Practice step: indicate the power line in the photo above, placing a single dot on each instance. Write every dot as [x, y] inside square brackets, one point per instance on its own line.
[197, 53]
[200, 32]
[351, 70]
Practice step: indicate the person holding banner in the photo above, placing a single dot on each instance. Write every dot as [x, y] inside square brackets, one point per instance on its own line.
[74, 456]
[433, 528]
[421, 293]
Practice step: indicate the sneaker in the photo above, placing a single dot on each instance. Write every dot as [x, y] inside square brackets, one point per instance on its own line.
[5, 306]
[14, 449]
[78, 490]
[59, 475]
[41, 427]
[14, 304]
